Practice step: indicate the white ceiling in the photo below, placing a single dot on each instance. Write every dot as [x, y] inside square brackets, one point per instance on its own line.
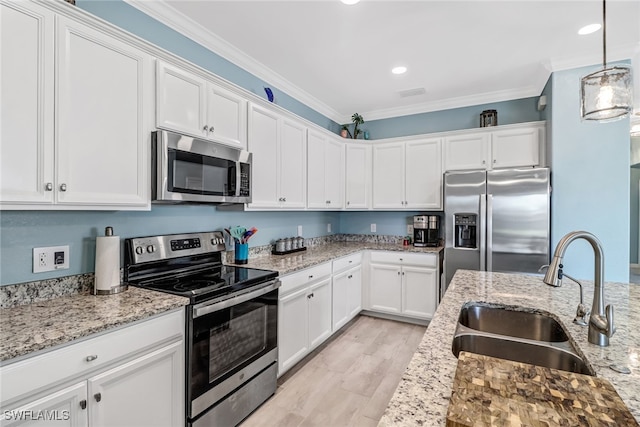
[337, 59]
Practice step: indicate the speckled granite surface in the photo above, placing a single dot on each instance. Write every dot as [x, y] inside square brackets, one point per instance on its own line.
[43, 290]
[32, 327]
[284, 264]
[422, 397]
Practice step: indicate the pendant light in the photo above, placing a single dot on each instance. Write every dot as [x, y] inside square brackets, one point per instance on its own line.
[606, 95]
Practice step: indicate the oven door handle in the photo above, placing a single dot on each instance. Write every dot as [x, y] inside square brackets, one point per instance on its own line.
[208, 308]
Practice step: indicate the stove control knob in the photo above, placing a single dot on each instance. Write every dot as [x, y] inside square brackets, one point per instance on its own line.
[139, 250]
[214, 241]
[151, 249]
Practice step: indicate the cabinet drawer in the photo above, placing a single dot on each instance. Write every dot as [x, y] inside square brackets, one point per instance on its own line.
[302, 278]
[75, 360]
[404, 258]
[347, 262]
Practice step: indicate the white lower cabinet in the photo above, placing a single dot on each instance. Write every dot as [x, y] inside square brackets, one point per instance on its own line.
[133, 376]
[346, 289]
[304, 314]
[403, 284]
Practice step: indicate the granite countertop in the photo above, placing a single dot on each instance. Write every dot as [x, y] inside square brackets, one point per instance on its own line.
[41, 325]
[422, 397]
[315, 255]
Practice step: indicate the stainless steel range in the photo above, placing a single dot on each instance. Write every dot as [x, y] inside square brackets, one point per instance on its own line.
[231, 342]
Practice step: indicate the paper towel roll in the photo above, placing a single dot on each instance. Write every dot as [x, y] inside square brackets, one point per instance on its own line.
[107, 263]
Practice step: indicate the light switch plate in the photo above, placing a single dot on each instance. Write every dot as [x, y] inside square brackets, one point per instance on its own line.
[50, 258]
[409, 230]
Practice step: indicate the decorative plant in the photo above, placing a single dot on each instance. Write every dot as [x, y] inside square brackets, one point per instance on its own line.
[357, 120]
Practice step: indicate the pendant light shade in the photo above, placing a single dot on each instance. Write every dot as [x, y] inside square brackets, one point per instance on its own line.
[607, 94]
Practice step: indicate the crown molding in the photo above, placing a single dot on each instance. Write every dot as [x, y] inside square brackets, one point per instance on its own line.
[177, 21]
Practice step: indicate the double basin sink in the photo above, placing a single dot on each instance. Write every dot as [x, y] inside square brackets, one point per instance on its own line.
[517, 334]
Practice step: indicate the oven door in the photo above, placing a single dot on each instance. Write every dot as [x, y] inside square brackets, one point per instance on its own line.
[231, 341]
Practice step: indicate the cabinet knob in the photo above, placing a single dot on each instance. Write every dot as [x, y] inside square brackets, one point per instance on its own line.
[211, 129]
[284, 199]
[348, 203]
[205, 128]
[63, 187]
[98, 397]
[328, 202]
[494, 160]
[311, 276]
[48, 186]
[484, 162]
[398, 273]
[350, 276]
[91, 358]
[83, 404]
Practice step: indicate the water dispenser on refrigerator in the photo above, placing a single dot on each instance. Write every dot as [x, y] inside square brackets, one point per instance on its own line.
[465, 236]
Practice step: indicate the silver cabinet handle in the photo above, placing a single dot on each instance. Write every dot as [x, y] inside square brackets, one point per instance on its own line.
[98, 397]
[91, 358]
[83, 404]
[205, 128]
[211, 128]
[63, 187]
[48, 186]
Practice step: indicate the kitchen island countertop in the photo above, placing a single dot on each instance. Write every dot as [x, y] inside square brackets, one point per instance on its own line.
[422, 397]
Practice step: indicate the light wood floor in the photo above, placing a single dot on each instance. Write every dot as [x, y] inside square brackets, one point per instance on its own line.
[347, 381]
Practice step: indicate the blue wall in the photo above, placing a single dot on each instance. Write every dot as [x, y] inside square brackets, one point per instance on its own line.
[590, 180]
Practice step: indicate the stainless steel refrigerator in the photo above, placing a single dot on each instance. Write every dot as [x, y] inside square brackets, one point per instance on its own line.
[496, 221]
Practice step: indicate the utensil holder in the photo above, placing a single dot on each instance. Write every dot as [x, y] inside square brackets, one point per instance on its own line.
[241, 253]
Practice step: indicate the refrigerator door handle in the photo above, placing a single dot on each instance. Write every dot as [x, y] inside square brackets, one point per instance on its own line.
[489, 238]
[481, 229]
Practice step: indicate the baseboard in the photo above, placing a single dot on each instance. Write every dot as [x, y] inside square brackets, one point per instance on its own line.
[421, 322]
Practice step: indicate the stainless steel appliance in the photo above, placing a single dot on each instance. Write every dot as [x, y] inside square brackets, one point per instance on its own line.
[187, 169]
[426, 230]
[231, 327]
[496, 220]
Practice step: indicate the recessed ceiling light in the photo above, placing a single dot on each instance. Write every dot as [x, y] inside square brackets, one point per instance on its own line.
[588, 29]
[349, 2]
[399, 70]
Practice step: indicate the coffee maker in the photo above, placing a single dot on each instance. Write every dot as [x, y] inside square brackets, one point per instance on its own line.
[426, 230]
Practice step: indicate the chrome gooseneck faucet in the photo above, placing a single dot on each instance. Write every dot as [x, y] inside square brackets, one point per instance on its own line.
[601, 325]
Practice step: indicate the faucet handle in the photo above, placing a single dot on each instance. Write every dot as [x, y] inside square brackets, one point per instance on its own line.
[611, 327]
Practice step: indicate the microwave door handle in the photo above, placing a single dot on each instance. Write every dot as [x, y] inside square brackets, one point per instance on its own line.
[238, 182]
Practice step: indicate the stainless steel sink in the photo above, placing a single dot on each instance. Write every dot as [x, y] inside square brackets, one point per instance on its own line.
[517, 334]
[520, 351]
[511, 322]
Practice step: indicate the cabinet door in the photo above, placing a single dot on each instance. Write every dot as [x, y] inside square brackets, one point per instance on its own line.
[357, 176]
[147, 391]
[293, 329]
[102, 131]
[388, 176]
[263, 143]
[316, 170]
[419, 291]
[66, 407]
[515, 147]
[334, 174]
[181, 101]
[385, 288]
[423, 174]
[468, 151]
[354, 292]
[340, 310]
[319, 313]
[293, 164]
[26, 104]
[227, 117]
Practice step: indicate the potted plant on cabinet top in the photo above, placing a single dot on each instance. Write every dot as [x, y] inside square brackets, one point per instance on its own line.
[357, 120]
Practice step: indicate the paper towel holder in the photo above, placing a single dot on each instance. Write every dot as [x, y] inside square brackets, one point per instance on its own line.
[108, 231]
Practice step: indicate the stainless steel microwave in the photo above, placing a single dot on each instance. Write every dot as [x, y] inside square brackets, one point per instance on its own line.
[186, 169]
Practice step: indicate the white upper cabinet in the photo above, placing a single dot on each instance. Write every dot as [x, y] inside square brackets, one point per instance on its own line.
[190, 104]
[26, 104]
[357, 176]
[102, 133]
[325, 171]
[279, 163]
[516, 147]
[519, 145]
[408, 175]
[92, 151]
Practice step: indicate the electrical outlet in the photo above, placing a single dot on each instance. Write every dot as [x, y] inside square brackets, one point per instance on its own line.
[50, 258]
[409, 230]
[299, 230]
[373, 228]
[328, 227]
